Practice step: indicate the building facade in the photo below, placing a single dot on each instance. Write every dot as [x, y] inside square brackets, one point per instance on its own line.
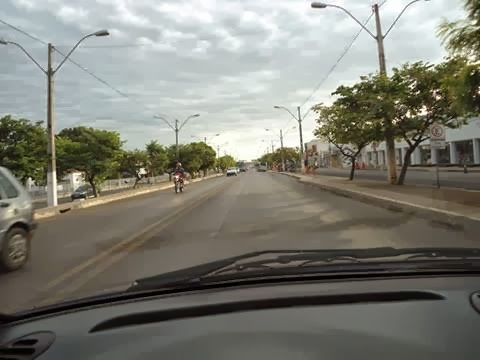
[462, 147]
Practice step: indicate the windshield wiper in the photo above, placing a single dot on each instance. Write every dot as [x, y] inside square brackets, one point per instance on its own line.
[265, 261]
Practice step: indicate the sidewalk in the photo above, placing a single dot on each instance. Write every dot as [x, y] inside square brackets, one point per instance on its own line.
[452, 206]
[431, 169]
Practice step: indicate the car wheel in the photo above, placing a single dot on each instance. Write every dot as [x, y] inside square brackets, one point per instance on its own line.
[15, 249]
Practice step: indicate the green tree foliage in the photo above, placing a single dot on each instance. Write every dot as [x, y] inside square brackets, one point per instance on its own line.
[352, 121]
[92, 151]
[132, 161]
[463, 36]
[157, 157]
[194, 157]
[290, 155]
[207, 155]
[267, 158]
[23, 148]
[225, 162]
[425, 94]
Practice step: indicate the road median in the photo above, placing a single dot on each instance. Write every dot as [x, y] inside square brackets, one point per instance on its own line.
[454, 207]
[75, 205]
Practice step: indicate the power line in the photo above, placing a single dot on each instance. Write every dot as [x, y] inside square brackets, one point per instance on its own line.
[93, 75]
[23, 32]
[334, 66]
[383, 3]
[104, 82]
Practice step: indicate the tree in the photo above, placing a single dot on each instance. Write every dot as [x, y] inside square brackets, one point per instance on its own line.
[225, 162]
[132, 162]
[267, 158]
[92, 151]
[289, 154]
[207, 155]
[157, 158]
[354, 120]
[463, 36]
[194, 157]
[426, 94]
[23, 148]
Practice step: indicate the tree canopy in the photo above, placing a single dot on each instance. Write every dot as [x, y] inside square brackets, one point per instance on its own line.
[463, 36]
[23, 148]
[226, 161]
[92, 151]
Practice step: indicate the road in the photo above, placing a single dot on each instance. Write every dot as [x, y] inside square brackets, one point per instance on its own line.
[105, 248]
[469, 181]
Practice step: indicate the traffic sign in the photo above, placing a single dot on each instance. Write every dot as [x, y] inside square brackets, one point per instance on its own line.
[438, 144]
[437, 132]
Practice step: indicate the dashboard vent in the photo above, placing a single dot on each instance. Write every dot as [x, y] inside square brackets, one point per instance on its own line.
[27, 347]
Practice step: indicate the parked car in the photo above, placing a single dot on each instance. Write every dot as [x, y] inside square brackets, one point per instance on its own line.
[17, 222]
[83, 192]
[232, 172]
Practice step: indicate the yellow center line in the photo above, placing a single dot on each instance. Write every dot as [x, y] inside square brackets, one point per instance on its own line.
[119, 251]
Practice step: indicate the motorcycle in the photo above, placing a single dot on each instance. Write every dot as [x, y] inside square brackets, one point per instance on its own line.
[178, 181]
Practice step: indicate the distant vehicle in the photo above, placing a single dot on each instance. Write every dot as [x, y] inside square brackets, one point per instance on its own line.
[17, 222]
[243, 169]
[82, 193]
[232, 172]
[262, 167]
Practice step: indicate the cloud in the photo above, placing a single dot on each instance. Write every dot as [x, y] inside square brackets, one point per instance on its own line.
[229, 60]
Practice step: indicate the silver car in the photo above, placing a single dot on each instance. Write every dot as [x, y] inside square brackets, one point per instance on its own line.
[17, 222]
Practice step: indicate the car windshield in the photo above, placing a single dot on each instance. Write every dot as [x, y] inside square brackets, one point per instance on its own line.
[347, 125]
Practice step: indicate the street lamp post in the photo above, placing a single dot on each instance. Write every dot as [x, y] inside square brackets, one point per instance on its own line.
[282, 153]
[299, 119]
[379, 37]
[177, 129]
[205, 138]
[50, 73]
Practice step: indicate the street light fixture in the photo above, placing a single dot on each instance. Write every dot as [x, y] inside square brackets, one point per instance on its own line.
[50, 72]
[176, 128]
[378, 37]
[299, 119]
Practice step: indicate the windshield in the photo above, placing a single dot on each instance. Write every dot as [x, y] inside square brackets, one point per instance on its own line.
[297, 125]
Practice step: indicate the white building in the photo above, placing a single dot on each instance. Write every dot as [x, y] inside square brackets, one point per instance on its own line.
[463, 145]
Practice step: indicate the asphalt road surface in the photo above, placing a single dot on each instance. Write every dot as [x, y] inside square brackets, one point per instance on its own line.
[469, 181]
[105, 248]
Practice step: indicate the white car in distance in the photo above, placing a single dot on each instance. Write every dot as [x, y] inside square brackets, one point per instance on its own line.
[232, 172]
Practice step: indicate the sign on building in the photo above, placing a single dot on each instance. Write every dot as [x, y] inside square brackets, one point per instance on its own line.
[437, 136]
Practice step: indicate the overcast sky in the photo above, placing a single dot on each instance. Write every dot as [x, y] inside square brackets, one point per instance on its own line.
[230, 61]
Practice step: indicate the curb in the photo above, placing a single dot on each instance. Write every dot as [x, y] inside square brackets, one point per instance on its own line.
[68, 207]
[446, 217]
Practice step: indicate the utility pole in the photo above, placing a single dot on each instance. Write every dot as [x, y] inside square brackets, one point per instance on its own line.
[273, 149]
[50, 73]
[378, 37]
[52, 161]
[176, 140]
[177, 129]
[281, 149]
[302, 160]
[389, 136]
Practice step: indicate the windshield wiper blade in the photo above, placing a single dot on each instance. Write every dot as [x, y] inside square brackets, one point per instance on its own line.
[299, 259]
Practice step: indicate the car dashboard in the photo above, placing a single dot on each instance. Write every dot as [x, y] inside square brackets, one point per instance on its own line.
[389, 318]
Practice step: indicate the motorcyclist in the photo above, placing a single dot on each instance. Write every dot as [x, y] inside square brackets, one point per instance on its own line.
[179, 170]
